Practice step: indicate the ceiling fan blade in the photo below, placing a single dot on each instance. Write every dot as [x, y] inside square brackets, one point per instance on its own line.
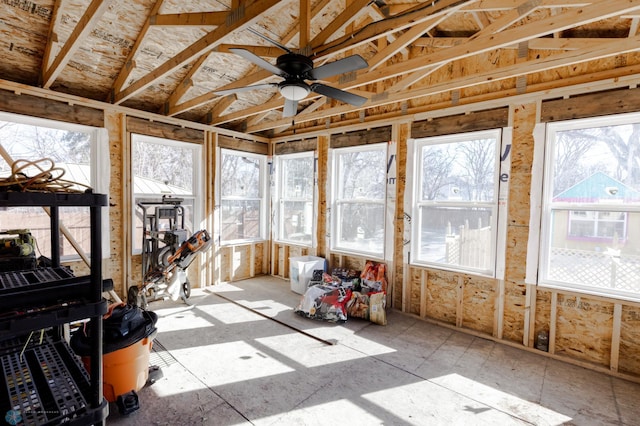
[338, 94]
[290, 108]
[275, 43]
[244, 89]
[252, 57]
[341, 66]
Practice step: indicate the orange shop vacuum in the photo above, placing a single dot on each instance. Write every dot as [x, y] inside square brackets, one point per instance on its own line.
[128, 333]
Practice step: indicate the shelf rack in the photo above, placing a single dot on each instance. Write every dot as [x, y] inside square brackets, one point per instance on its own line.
[45, 383]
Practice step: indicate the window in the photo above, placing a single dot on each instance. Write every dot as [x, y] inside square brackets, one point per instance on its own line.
[162, 167]
[242, 196]
[295, 192]
[591, 206]
[359, 191]
[456, 201]
[68, 152]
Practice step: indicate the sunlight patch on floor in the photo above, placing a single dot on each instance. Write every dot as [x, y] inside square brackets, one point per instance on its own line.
[340, 412]
[233, 362]
[499, 400]
[309, 352]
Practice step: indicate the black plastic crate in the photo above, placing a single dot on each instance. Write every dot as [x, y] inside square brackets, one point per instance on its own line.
[22, 279]
[45, 385]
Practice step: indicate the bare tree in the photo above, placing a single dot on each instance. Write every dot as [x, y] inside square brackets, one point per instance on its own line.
[477, 159]
[437, 163]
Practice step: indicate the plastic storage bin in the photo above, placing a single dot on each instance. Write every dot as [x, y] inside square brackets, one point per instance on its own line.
[301, 270]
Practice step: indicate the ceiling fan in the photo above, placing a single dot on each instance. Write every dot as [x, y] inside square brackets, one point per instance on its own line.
[296, 69]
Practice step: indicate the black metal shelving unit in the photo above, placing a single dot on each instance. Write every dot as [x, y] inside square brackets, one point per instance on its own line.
[44, 381]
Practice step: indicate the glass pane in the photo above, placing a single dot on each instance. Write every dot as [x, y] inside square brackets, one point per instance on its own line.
[597, 165]
[70, 160]
[297, 181]
[240, 219]
[460, 171]
[69, 151]
[162, 169]
[605, 255]
[297, 221]
[362, 175]
[187, 214]
[457, 236]
[361, 227]
[240, 176]
[76, 220]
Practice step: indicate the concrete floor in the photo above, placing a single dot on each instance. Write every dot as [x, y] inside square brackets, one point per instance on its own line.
[226, 365]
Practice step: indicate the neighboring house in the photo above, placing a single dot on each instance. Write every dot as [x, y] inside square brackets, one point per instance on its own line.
[593, 229]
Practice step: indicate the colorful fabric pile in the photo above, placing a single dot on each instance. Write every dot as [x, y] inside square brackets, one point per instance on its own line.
[347, 293]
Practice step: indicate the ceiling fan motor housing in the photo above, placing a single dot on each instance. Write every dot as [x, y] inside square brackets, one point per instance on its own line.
[295, 65]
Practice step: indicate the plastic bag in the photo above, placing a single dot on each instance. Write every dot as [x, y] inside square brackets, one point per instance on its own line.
[325, 302]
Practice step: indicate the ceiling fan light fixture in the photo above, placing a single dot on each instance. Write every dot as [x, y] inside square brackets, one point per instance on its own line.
[294, 91]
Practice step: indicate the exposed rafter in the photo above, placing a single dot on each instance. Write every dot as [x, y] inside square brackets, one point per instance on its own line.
[129, 63]
[84, 27]
[238, 19]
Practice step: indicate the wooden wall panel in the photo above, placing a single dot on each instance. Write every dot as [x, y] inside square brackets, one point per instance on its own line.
[442, 291]
[245, 145]
[361, 137]
[542, 312]
[592, 105]
[166, 131]
[478, 305]
[415, 291]
[475, 121]
[291, 147]
[630, 341]
[116, 267]
[584, 329]
[50, 109]
[514, 303]
[337, 260]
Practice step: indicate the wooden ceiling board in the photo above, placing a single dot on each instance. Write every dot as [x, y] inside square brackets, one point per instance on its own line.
[465, 54]
[24, 28]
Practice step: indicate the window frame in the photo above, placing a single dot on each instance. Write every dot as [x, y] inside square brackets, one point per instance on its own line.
[281, 199]
[498, 212]
[263, 197]
[196, 179]
[549, 206]
[336, 202]
[98, 166]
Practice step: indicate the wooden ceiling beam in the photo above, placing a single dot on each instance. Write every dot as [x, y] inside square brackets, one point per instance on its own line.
[190, 19]
[247, 80]
[489, 41]
[85, 25]
[252, 77]
[502, 5]
[543, 43]
[412, 79]
[614, 48]
[220, 107]
[413, 16]
[185, 84]
[348, 15]
[404, 40]
[52, 38]
[129, 64]
[304, 20]
[509, 18]
[238, 20]
[484, 43]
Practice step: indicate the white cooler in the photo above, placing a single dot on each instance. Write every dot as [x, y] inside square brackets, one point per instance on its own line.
[301, 271]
